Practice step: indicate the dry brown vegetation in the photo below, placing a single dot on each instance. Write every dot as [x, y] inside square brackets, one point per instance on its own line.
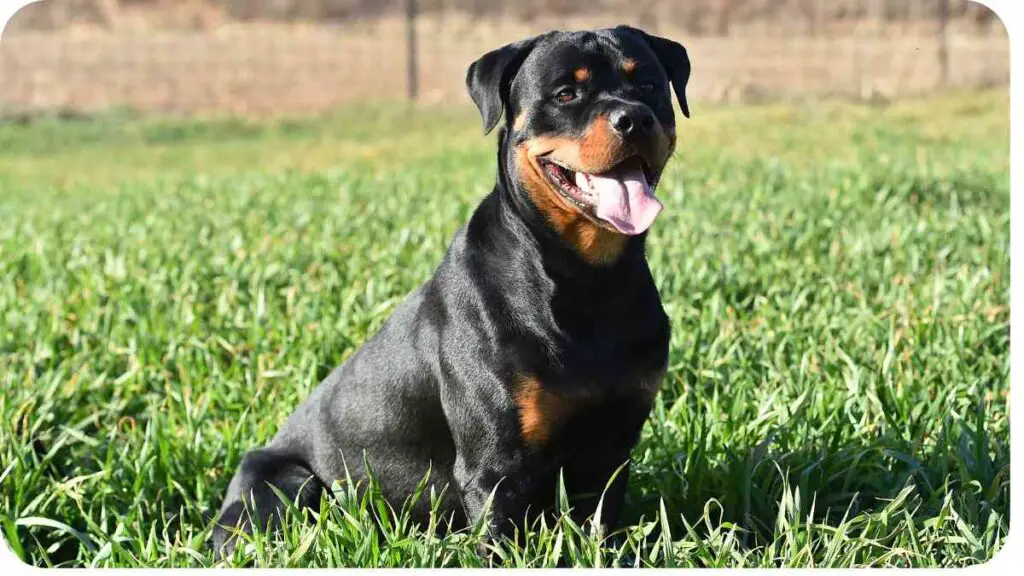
[714, 17]
[300, 56]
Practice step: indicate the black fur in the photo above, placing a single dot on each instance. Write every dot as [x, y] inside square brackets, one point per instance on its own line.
[436, 387]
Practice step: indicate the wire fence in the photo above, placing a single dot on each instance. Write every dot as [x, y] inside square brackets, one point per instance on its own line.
[255, 57]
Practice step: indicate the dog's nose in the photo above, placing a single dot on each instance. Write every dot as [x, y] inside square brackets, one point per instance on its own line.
[633, 120]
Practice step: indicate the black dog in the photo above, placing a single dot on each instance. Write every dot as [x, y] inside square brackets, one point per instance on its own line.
[538, 346]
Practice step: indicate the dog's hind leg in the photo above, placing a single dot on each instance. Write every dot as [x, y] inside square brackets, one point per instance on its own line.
[250, 499]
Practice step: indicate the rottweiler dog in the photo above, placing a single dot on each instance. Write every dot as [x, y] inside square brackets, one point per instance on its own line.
[536, 349]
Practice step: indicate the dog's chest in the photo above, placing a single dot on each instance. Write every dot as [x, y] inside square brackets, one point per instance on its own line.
[609, 360]
[614, 358]
[603, 390]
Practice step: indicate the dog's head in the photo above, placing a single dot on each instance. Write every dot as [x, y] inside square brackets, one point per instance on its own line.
[589, 127]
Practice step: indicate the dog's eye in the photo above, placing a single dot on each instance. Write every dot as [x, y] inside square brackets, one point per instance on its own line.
[647, 86]
[565, 95]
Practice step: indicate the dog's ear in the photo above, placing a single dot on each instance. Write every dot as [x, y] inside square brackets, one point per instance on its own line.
[490, 78]
[673, 59]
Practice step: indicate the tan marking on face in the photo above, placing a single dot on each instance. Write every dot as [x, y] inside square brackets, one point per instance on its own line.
[541, 413]
[629, 65]
[520, 122]
[582, 74]
[593, 242]
[596, 152]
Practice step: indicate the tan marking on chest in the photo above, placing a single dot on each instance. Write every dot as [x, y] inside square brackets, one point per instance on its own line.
[541, 413]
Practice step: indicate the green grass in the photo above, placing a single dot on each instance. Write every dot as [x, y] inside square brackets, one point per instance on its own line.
[837, 278]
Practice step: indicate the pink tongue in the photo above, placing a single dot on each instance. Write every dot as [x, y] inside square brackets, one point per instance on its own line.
[624, 199]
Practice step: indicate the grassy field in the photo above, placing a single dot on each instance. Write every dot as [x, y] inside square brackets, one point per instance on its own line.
[837, 278]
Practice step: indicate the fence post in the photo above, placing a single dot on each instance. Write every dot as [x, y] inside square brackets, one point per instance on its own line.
[412, 67]
[109, 12]
[943, 43]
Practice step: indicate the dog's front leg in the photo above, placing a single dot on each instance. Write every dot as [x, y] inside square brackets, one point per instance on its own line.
[493, 489]
[493, 470]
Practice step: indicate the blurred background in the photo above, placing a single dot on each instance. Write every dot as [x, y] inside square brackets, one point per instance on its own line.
[258, 57]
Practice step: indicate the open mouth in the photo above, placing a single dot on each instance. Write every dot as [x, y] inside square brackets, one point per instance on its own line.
[567, 180]
[622, 198]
